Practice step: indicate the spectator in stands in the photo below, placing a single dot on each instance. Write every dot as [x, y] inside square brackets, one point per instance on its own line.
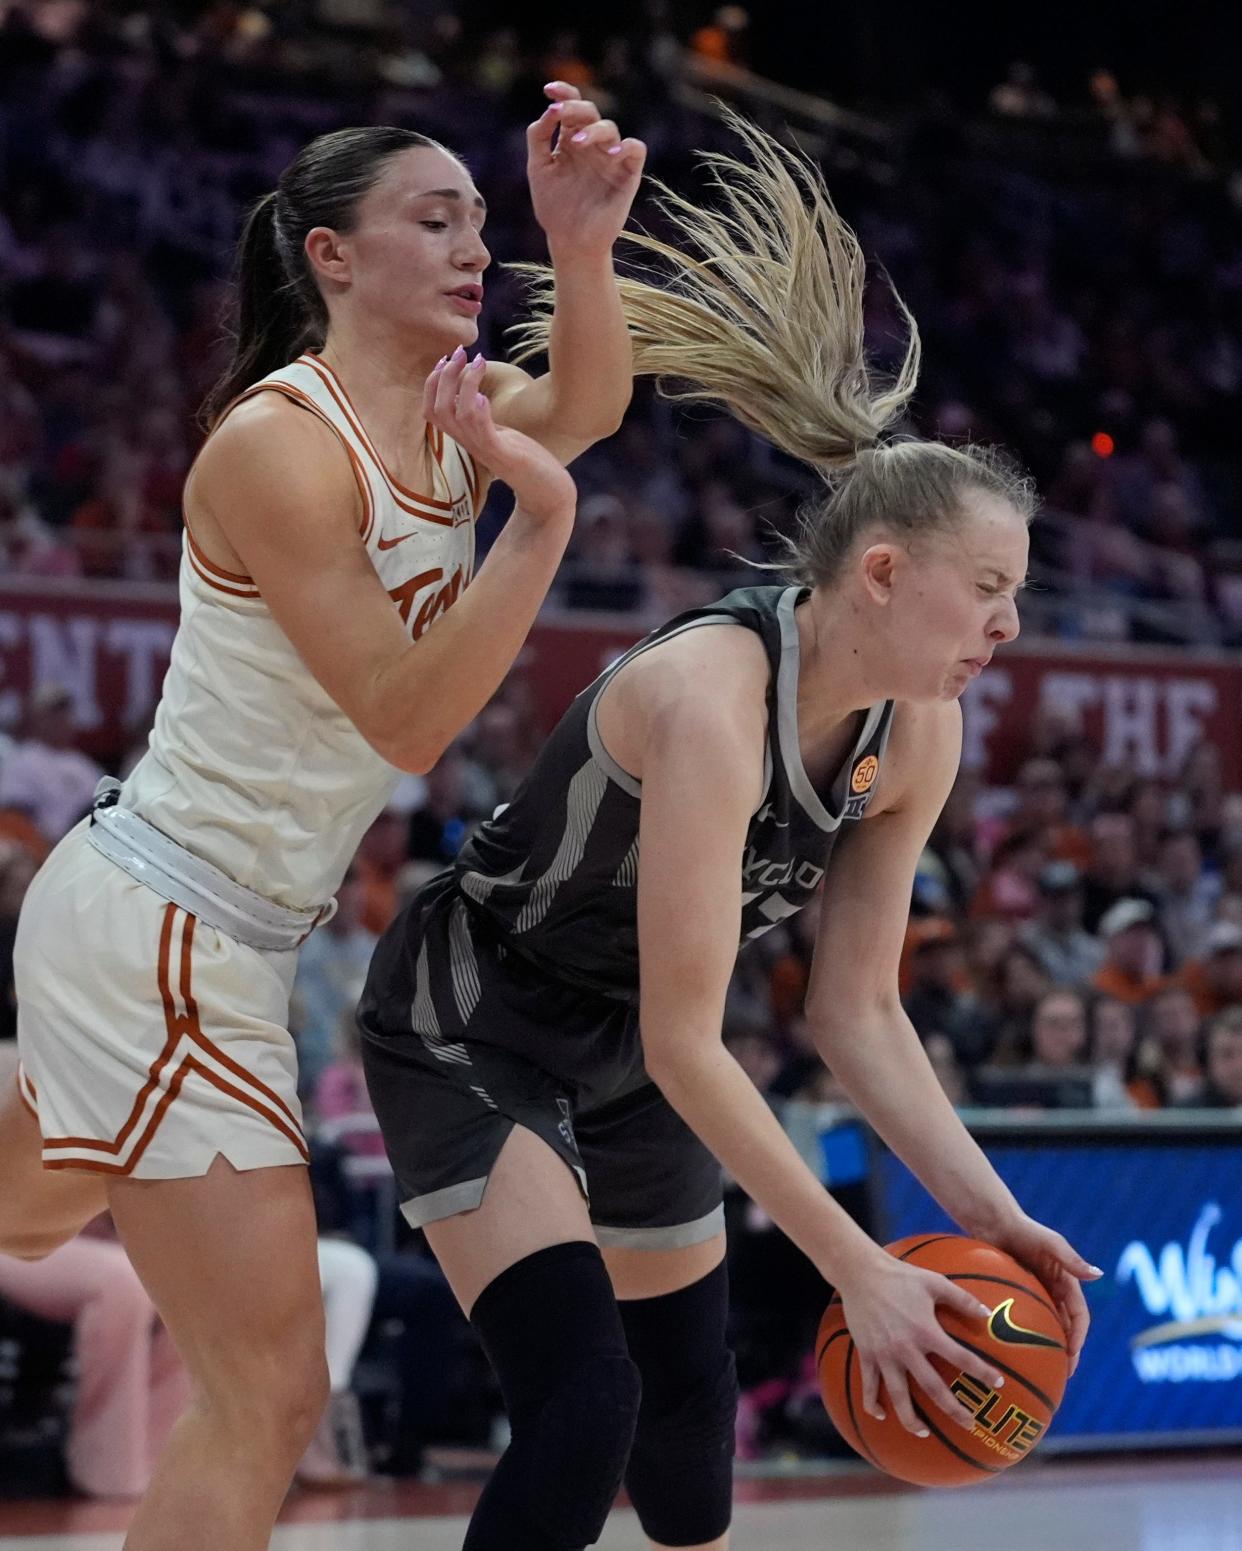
[1112, 1051]
[17, 868]
[130, 1385]
[1010, 888]
[1170, 1059]
[1201, 795]
[342, 1102]
[952, 854]
[1043, 806]
[722, 41]
[439, 824]
[1020, 95]
[332, 965]
[336, 1456]
[599, 573]
[1186, 894]
[397, 1303]
[502, 744]
[1131, 969]
[1214, 979]
[51, 310]
[1059, 1029]
[46, 775]
[939, 1001]
[1114, 873]
[381, 856]
[1157, 463]
[1222, 1060]
[1019, 984]
[1070, 955]
[1148, 806]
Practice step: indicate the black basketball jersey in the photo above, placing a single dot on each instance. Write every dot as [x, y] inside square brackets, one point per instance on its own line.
[556, 872]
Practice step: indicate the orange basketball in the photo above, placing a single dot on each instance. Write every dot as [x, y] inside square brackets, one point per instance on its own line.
[1023, 1339]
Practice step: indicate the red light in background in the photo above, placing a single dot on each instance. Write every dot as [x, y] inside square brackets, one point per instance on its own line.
[1102, 445]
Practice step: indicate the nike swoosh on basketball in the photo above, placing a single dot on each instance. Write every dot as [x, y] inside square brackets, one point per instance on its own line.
[1002, 1328]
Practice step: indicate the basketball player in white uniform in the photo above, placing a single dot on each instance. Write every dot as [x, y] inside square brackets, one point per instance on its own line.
[330, 526]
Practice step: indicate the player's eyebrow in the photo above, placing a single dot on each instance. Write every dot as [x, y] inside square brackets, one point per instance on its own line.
[451, 193]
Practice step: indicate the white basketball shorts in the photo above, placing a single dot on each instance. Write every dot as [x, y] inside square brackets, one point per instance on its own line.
[150, 1043]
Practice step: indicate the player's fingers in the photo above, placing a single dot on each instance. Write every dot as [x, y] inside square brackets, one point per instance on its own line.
[561, 91]
[578, 115]
[631, 154]
[898, 1389]
[870, 1389]
[938, 1392]
[430, 386]
[469, 385]
[596, 136]
[540, 134]
[1075, 1315]
[966, 1361]
[1075, 1263]
[449, 381]
[949, 1295]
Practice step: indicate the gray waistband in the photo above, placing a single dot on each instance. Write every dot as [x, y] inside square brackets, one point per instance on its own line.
[184, 879]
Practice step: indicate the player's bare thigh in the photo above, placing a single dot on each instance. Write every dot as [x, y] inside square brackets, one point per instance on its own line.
[40, 1209]
[532, 1201]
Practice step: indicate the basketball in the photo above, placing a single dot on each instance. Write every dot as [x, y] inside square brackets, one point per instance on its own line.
[1023, 1339]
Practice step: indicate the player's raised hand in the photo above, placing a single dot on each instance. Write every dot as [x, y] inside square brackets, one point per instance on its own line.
[453, 402]
[583, 174]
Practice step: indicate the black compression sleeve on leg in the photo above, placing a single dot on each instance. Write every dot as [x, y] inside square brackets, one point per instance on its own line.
[550, 1327]
[680, 1475]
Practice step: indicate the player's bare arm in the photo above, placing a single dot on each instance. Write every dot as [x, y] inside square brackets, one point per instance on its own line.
[274, 482]
[862, 1032]
[583, 177]
[689, 909]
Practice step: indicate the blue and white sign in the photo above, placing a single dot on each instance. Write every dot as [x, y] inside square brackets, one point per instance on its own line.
[1164, 1357]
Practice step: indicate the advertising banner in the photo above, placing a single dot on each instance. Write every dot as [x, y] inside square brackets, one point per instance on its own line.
[108, 644]
[1163, 1361]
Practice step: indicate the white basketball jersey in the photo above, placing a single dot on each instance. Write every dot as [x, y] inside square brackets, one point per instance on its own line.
[250, 764]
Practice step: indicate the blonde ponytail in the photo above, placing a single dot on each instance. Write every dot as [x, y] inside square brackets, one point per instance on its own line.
[762, 311]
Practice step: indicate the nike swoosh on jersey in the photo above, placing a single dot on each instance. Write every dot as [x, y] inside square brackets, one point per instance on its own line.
[383, 543]
[1002, 1328]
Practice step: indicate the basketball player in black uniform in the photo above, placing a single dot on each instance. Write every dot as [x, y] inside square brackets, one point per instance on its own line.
[542, 1024]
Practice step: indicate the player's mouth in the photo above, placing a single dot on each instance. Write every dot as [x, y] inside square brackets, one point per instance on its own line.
[977, 665]
[469, 298]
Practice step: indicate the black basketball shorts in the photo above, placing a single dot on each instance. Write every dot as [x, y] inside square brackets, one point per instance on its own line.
[463, 1039]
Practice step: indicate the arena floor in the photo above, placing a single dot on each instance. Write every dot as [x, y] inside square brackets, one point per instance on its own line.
[1147, 1504]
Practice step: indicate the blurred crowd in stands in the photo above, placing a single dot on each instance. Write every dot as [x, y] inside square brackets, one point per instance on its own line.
[1075, 939]
[1076, 272]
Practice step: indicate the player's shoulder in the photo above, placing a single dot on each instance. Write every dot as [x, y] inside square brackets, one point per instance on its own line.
[921, 756]
[714, 670]
[271, 443]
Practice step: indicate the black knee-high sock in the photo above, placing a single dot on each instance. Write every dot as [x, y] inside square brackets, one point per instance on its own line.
[680, 1474]
[550, 1327]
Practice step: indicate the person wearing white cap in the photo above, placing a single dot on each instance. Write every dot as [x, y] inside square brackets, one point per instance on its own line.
[1131, 972]
[1214, 979]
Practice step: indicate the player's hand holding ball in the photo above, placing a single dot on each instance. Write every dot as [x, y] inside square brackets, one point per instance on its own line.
[942, 1359]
